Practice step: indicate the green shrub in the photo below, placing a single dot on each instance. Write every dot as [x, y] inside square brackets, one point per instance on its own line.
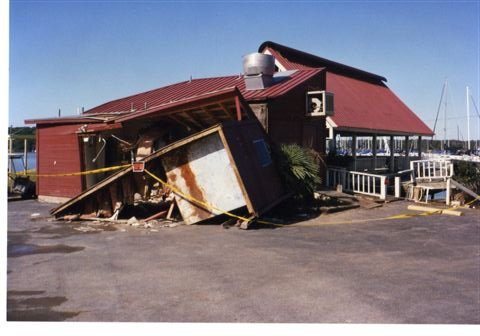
[468, 174]
[299, 169]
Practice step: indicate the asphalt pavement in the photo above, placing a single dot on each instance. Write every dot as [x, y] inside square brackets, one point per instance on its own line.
[421, 270]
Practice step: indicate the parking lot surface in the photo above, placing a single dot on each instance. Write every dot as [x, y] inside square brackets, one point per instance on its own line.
[414, 270]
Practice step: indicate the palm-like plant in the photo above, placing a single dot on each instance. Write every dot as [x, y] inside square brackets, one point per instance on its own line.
[299, 168]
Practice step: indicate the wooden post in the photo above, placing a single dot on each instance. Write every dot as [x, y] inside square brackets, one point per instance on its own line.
[10, 147]
[419, 145]
[334, 142]
[397, 186]
[374, 151]
[25, 151]
[354, 151]
[383, 188]
[238, 107]
[407, 146]
[447, 194]
[392, 155]
[407, 152]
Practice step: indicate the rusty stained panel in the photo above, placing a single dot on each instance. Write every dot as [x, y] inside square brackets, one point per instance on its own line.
[202, 170]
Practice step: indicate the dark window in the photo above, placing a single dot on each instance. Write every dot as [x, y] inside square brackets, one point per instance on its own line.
[263, 154]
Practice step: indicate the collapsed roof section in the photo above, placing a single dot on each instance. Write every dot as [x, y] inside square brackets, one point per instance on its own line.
[221, 169]
[194, 113]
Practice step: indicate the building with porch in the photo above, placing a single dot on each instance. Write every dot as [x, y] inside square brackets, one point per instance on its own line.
[366, 114]
[301, 98]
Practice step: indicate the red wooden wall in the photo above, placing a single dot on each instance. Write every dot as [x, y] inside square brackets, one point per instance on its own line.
[58, 151]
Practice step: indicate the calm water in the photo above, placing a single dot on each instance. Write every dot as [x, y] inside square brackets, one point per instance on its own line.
[31, 162]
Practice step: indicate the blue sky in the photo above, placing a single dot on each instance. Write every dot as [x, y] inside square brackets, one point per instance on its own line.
[71, 54]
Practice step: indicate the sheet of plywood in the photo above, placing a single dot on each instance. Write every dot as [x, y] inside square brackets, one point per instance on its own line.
[202, 169]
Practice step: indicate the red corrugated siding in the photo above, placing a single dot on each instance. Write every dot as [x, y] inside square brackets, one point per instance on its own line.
[192, 89]
[362, 105]
[58, 152]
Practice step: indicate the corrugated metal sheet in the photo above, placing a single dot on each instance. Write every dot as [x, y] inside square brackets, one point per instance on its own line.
[364, 106]
[187, 90]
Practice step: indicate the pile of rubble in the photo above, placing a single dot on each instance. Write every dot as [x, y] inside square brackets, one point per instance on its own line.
[226, 170]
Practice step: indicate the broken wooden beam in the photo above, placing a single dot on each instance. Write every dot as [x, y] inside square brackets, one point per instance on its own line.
[432, 209]
[157, 215]
[465, 189]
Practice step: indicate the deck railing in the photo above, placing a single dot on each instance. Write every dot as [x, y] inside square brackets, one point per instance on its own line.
[357, 182]
[431, 170]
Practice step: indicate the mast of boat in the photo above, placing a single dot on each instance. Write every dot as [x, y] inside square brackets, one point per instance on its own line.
[438, 112]
[445, 119]
[478, 121]
[468, 120]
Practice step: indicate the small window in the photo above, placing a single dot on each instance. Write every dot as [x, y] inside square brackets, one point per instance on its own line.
[263, 153]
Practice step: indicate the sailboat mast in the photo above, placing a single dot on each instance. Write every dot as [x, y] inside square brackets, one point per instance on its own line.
[445, 119]
[468, 120]
[438, 112]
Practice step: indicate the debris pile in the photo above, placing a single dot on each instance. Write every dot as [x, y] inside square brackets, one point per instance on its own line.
[225, 170]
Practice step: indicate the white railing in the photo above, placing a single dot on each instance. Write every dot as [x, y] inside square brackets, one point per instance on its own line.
[469, 158]
[357, 182]
[431, 170]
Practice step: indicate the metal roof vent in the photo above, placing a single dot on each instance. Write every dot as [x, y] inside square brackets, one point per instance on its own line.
[258, 71]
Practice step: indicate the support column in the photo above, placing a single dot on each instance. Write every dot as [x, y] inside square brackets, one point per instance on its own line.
[407, 152]
[419, 147]
[374, 151]
[392, 155]
[407, 146]
[354, 151]
[238, 108]
[333, 144]
[10, 148]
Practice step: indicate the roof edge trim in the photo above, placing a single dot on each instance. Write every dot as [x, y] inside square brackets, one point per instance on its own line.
[326, 62]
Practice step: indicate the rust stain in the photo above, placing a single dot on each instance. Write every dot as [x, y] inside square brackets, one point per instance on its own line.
[172, 177]
[191, 183]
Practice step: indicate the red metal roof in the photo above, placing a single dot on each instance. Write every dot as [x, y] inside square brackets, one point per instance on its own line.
[287, 64]
[195, 88]
[297, 59]
[368, 107]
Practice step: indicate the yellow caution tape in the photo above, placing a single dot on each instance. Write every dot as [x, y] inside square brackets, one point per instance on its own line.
[212, 207]
[94, 171]
[194, 200]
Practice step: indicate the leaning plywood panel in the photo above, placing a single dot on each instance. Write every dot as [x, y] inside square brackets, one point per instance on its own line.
[250, 151]
[202, 169]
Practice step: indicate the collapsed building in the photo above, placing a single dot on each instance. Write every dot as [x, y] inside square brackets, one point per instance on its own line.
[284, 96]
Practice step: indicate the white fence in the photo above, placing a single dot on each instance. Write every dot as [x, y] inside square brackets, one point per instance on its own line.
[469, 158]
[357, 182]
[431, 170]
